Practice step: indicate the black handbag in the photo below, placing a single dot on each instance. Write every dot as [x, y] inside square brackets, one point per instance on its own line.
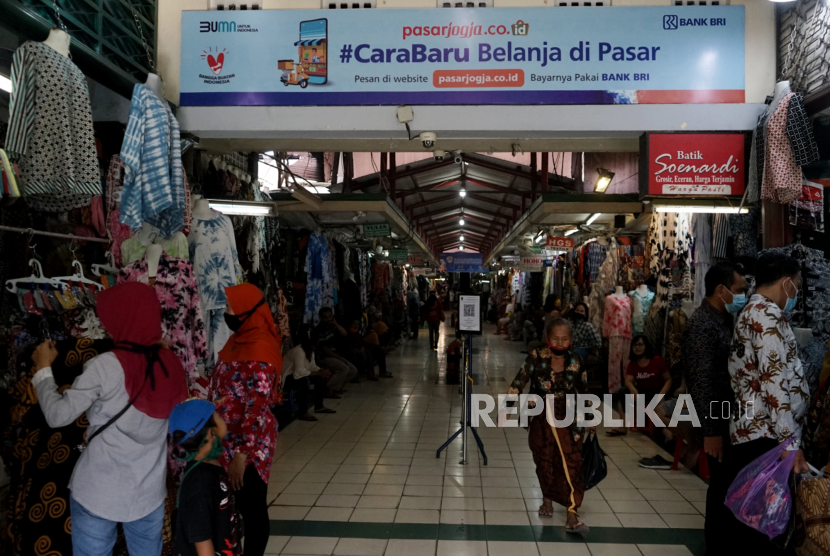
[594, 468]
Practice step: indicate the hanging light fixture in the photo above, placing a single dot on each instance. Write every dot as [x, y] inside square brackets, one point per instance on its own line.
[571, 232]
[461, 220]
[463, 192]
[592, 218]
[461, 238]
[461, 247]
[603, 180]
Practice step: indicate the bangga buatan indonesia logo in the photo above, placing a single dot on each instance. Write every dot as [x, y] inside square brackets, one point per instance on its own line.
[215, 59]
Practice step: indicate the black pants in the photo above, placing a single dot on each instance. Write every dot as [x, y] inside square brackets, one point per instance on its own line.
[434, 333]
[720, 521]
[379, 357]
[414, 323]
[301, 391]
[735, 537]
[252, 503]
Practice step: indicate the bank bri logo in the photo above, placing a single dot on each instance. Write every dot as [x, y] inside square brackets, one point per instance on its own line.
[217, 27]
[670, 22]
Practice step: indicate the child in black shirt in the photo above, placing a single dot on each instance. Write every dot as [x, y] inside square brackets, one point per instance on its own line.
[206, 519]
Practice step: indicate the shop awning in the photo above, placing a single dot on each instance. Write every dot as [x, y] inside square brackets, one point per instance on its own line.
[310, 42]
[552, 209]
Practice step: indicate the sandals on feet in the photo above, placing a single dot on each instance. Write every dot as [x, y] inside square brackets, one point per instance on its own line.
[578, 529]
[545, 511]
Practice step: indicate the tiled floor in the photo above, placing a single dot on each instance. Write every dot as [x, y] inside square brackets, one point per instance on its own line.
[366, 481]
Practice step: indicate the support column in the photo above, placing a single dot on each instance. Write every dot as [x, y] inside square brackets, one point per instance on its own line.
[393, 165]
[335, 168]
[545, 171]
[533, 179]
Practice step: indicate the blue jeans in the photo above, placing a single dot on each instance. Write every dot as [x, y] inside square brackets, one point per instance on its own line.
[95, 536]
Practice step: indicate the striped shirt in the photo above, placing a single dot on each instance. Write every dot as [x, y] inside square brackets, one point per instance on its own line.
[153, 186]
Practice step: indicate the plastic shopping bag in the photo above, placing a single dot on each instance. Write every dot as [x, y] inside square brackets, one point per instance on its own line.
[760, 495]
[594, 467]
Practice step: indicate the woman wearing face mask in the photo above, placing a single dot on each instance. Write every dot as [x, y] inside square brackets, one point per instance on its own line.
[585, 337]
[127, 395]
[557, 451]
[245, 377]
[646, 374]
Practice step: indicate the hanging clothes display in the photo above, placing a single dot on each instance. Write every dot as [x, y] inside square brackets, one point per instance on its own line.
[153, 177]
[216, 266]
[616, 326]
[605, 282]
[318, 272]
[755, 175]
[674, 336]
[640, 304]
[182, 325]
[50, 134]
[116, 231]
[132, 249]
[701, 225]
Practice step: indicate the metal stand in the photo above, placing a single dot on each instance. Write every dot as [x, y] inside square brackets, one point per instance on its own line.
[466, 407]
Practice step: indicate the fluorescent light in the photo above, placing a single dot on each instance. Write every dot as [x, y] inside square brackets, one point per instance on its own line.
[243, 208]
[463, 192]
[603, 180]
[461, 222]
[571, 232]
[701, 209]
[5, 84]
[593, 217]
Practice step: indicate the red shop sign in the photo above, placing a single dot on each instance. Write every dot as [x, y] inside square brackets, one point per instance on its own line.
[693, 164]
[560, 242]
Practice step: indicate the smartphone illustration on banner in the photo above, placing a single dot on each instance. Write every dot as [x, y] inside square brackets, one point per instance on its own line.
[313, 50]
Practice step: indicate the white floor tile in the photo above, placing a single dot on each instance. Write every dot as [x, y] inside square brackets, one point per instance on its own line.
[420, 503]
[612, 549]
[562, 549]
[276, 544]
[506, 518]
[417, 516]
[378, 502]
[673, 507]
[329, 514]
[411, 547]
[642, 520]
[360, 547]
[287, 513]
[664, 550]
[462, 548]
[311, 545]
[509, 548]
[373, 516]
[677, 521]
[338, 501]
[468, 517]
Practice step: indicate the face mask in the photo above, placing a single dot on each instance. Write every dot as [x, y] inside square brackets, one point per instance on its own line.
[235, 322]
[558, 352]
[215, 452]
[791, 301]
[579, 316]
[738, 302]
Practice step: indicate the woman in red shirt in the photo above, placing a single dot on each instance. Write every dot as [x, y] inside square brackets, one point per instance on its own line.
[646, 374]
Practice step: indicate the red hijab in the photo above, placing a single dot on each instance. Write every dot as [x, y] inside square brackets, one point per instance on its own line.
[154, 377]
[258, 338]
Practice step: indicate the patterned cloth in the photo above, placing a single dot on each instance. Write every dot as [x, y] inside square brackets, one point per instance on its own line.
[43, 459]
[319, 272]
[617, 320]
[705, 346]
[132, 249]
[246, 388]
[215, 260]
[746, 229]
[50, 132]
[782, 175]
[182, 325]
[765, 371]
[674, 331]
[584, 335]
[800, 132]
[639, 309]
[153, 184]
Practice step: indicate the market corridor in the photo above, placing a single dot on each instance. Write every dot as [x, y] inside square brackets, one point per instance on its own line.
[366, 481]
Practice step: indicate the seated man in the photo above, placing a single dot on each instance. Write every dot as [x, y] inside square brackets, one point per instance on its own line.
[505, 320]
[299, 369]
[516, 327]
[331, 337]
[358, 351]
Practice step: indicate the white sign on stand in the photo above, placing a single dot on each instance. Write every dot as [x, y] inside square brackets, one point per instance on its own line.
[469, 314]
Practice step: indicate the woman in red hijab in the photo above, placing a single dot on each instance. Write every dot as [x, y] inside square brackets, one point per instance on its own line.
[127, 395]
[244, 380]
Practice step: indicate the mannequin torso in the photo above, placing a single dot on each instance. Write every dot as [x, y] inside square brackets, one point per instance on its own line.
[155, 85]
[619, 291]
[153, 256]
[58, 41]
[688, 307]
[203, 211]
[147, 234]
[643, 290]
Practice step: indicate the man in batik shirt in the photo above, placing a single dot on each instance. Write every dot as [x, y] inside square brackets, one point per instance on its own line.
[771, 393]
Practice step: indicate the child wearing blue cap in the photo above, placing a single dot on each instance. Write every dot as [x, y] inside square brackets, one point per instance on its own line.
[206, 523]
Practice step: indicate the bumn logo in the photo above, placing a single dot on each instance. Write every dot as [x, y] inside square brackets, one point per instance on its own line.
[217, 27]
[670, 22]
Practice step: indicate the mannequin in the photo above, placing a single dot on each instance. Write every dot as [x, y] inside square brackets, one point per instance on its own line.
[147, 234]
[643, 290]
[203, 211]
[153, 256]
[58, 41]
[155, 84]
[688, 307]
[781, 89]
[619, 291]
[194, 198]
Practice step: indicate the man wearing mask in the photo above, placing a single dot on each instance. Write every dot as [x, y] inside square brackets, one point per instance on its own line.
[705, 357]
[771, 392]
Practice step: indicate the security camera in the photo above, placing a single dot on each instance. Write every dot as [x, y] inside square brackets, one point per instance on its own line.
[457, 159]
[428, 139]
[438, 155]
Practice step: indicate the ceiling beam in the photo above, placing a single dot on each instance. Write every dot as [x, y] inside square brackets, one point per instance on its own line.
[494, 202]
[433, 187]
[498, 188]
[431, 202]
[518, 172]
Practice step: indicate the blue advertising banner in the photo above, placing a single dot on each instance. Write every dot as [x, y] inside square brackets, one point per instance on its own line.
[462, 262]
[577, 55]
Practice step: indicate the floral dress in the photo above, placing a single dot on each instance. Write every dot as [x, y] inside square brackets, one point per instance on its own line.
[247, 390]
[557, 452]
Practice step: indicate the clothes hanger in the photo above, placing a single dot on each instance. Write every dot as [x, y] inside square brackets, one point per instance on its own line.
[36, 277]
[106, 268]
[79, 275]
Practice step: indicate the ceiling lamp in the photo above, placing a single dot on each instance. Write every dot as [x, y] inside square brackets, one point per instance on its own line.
[5, 84]
[701, 209]
[592, 218]
[463, 192]
[571, 232]
[461, 238]
[603, 180]
[244, 208]
[461, 247]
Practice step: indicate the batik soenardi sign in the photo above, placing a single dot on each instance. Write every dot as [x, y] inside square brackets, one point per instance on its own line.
[619, 55]
[693, 164]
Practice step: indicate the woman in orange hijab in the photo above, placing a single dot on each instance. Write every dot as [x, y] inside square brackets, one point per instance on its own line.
[246, 378]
